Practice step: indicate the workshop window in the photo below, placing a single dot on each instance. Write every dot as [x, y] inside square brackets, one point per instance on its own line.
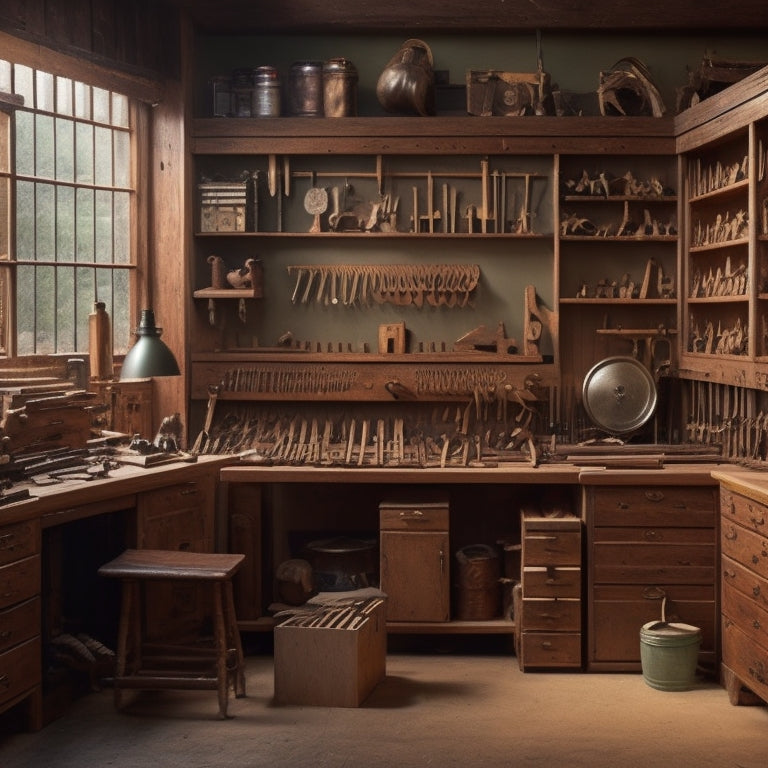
[68, 205]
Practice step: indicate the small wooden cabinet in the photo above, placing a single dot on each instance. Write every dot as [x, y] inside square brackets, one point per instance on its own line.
[20, 650]
[177, 517]
[414, 561]
[549, 620]
[744, 546]
[647, 542]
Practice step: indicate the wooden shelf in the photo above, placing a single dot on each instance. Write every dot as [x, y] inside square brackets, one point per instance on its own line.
[226, 293]
[490, 627]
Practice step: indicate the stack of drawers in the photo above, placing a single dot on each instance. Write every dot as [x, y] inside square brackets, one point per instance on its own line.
[20, 654]
[744, 546]
[548, 615]
[647, 543]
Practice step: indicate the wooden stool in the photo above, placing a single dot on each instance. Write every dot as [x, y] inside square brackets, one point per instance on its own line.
[177, 666]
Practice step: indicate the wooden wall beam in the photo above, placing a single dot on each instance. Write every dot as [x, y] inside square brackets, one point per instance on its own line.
[338, 16]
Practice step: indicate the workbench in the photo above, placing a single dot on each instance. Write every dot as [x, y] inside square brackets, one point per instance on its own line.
[52, 544]
[486, 504]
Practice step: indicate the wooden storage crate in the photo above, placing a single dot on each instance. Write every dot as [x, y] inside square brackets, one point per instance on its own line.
[329, 667]
[495, 92]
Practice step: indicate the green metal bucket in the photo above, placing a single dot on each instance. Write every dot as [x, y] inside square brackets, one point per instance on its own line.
[668, 655]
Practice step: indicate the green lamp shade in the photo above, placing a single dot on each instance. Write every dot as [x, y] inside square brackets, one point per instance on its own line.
[149, 356]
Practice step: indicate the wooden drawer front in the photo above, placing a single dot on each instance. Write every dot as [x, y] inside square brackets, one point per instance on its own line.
[618, 613]
[415, 517]
[746, 658]
[624, 563]
[551, 615]
[179, 516]
[551, 548]
[746, 547]
[747, 613]
[739, 509]
[654, 506]
[19, 540]
[550, 649]
[552, 582]
[745, 581]
[655, 535]
[19, 623]
[19, 581]
[20, 669]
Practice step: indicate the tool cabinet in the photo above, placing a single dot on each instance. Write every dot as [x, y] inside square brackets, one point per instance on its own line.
[647, 542]
[744, 579]
[549, 622]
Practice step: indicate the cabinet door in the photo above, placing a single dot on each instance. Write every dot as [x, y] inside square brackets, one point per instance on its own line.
[180, 516]
[414, 575]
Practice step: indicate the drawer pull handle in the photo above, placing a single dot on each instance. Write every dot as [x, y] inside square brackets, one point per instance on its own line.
[655, 496]
[189, 492]
[5, 635]
[756, 590]
[652, 536]
[622, 505]
[758, 674]
[654, 593]
[731, 535]
[5, 682]
[6, 541]
[442, 562]
[415, 514]
[756, 623]
[754, 519]
[546, 645]
[729, 574]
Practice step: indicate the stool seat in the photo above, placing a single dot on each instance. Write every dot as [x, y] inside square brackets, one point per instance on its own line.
[150, 666]
[172, 564]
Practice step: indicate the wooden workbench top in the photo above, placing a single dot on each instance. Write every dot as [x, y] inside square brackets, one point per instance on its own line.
[514, 474]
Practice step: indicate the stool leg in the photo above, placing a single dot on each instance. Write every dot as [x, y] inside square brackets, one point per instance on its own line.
[231, 619]
[124, 627]
[220, 632]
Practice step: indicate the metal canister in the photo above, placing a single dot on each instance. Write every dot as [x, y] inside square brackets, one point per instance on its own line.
[339, 88]
[266, 92]
[305, 89]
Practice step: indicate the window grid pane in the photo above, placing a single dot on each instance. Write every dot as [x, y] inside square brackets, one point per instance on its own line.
[73, 187]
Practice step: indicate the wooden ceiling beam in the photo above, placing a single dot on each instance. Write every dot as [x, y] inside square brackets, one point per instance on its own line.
[486, 16]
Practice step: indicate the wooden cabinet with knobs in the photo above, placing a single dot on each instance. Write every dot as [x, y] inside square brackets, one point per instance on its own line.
[744, 583]
[549, 620]
[648, 541]
[414, 560]
[20, 651]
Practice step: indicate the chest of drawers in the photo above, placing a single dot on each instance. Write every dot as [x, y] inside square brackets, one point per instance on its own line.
[744, 573]
[549, 619]
[20, 649]
[646, 543]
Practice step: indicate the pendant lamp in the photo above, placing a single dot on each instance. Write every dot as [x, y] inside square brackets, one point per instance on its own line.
[149, 356]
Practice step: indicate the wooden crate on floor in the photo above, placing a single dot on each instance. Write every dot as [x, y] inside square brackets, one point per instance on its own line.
[329, 666]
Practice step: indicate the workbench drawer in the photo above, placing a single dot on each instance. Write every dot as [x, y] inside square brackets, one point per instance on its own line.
[19, 581]
[747, 613]
[747, 512]
[551, 582]
[747, 659]
[744, 580]
[619, 611]
[654, 506]
[429, 516]
[20, 669]
[551, 615]
[745, 546]
[632, 563]
[19, 623]
[550, 649]
[551, 547]
[19, 540]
